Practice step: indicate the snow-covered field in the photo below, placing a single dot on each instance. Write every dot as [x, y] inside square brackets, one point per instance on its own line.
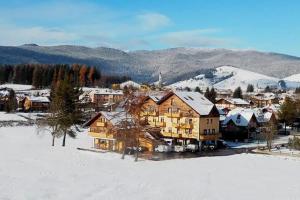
[31, 169]
[16, 87]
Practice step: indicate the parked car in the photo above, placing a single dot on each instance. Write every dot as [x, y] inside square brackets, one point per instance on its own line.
[163, 148]
[192, 147]
[132, 150]
[209, 147]
[179, 148]
[222, 144]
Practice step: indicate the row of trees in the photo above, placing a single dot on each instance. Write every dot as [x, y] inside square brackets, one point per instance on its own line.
[43, 75]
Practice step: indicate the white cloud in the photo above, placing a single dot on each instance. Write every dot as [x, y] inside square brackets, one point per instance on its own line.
[193, 38]
[153, 21]
[12, 35]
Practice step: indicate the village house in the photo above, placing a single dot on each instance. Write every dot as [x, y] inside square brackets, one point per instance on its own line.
[107, 133]
[232, 103]
[240, 124]
[185, 118]
[101, 98]
[224, 94]
[264, 99]
[130, 84]
[32, 103]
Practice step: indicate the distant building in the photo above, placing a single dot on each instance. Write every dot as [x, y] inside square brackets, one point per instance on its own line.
[100, 98]
[130, 84]
[232, 103]
[264, 99]
[32, 103]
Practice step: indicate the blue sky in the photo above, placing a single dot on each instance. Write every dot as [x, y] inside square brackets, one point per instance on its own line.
[265, 25]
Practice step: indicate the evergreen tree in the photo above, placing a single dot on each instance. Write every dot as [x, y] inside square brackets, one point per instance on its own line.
[11, 103]
[82, 75]
[238, 93]
[207, 93]
[250, 88]
[187, 89]
[268, 89]
[213, 95]
[68, 108]
[288, 111]
[297, 90]
[197, 89]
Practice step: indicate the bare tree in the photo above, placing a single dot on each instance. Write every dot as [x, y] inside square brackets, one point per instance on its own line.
[269, 132]
[130, 128]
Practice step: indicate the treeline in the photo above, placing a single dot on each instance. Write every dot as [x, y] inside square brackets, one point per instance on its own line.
[43, 75]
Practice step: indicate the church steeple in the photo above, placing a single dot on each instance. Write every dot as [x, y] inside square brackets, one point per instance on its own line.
[160, 80]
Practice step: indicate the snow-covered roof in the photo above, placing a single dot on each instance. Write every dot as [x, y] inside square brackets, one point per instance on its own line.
[238, 101]
[196, 101]
[107, 91]
[4, 93]
[117, 117]
[262, 117]
[38, 99]
[130, 83]
[265, 96]
[240, 117]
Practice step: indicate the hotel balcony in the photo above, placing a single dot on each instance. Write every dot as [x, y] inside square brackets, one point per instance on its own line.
[183, 126]
[161, 124]
[180, 135]
[100, 135]
[149, 113]
[186, 126]
[170, 134]
[101, 124]
[173, 114]
[210, 137]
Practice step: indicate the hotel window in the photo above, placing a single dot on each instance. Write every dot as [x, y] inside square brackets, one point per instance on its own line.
[172, 101]
[190, 121]
[161, 119]
[207, 121]
[208, 131]
[211, 121]
[169, 110]
[205, 131]
[213, 131]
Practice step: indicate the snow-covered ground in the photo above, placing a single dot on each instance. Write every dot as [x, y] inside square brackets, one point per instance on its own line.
[16, 87]
[31, 169]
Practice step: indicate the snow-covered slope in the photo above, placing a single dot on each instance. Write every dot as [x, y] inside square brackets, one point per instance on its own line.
[198, 81]
[295, 78]
[293, 81]
[228, 77]
[243, 78]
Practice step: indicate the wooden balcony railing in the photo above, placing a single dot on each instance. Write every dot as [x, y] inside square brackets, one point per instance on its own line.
[173, 114]
[101, 124]
[101, 135]
[210, 136]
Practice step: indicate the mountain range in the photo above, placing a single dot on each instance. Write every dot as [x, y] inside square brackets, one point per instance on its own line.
[175, 64]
